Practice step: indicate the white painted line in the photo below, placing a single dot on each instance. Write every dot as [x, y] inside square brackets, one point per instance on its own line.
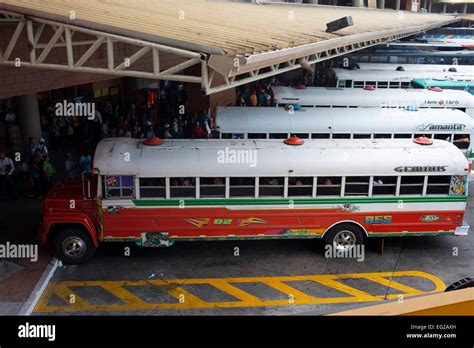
[35, 295]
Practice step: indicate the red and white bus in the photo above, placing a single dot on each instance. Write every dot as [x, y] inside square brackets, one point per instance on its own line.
[156, 192]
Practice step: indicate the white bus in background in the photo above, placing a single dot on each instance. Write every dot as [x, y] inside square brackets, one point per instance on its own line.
[465, 69]
[359, 97]
[387, 79]
[333, 123]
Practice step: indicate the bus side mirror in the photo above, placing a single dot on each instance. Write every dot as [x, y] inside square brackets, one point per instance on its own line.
[89, 184]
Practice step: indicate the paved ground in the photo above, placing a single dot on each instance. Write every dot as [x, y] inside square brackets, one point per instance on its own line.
[252, 277]
[255, 277]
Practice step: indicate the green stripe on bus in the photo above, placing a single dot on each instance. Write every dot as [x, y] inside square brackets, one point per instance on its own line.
[256, 201]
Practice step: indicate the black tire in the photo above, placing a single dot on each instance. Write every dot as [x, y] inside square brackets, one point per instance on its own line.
[352, 230]
[67, 238]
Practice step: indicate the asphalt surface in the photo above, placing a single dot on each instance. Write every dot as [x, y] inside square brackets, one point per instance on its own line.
[255, 277]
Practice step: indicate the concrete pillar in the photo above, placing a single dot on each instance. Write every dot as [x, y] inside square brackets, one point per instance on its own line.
[314, 2]
[424, 4]
[381, 4]
[397, 5]
[357, 3]
[27, 111]
[464, 8]
[444, 8]
[430, 2]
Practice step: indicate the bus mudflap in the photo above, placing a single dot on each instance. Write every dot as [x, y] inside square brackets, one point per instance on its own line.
[462, 230]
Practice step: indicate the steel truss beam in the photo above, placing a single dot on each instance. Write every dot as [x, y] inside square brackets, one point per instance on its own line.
[63, 37]
[248, 69]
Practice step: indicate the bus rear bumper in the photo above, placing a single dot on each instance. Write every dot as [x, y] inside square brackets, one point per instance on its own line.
[462, 230]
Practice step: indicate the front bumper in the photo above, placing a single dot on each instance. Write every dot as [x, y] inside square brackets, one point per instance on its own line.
[462, 230]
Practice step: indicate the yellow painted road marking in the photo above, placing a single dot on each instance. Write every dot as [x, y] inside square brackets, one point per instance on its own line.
[187, 300]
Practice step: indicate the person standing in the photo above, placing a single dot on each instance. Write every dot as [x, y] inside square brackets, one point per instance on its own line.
[85, 162]
[6, 176]
[48, 171]
[10, 119]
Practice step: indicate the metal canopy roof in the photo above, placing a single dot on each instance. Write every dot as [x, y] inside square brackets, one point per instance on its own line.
[242, 42]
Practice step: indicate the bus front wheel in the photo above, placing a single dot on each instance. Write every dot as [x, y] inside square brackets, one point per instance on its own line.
[74, 246]
[343, 237]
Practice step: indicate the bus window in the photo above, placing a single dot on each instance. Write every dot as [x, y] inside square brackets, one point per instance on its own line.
[211, 187]
[256, 136]
[384, 185]
[119, 186]
[358, 84]
[302, 135]
[152, 187]
[438, 185]
[357, 186]
[423, 135]
[242, 187]
[348, 84]
[226, 135]
[394, 84]
[362, 136]
[300, 186]
[462, 141]
[382, 136]
[405, 84]
[446, 137]
[320, 136]
[278, 136]
[341, 83]
[271, 187]
[412, 185]
[341, 136]
[402, 136]
[182, 187]
[329, 186]
[371, 83]
[382, 84]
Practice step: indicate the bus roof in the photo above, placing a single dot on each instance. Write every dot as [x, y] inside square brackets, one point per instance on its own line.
[417, 67]
[240, 158]
[396, 76]
[334, 96]
[337, 120]
[443, 83]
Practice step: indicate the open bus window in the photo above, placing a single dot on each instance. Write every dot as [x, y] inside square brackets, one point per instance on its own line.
[382, 84]
[423, 135]
[152, 187]
[278, 136]
[182, 187]
[226, 136]
[361, 136]
[329, 186]
[438, 185]
[445, 137]
[405, 84]
[302, 135]
[320, 136]
[394, 84]
[300, 186]
[242, 187]
[402, 136]
[357, 186]
[119, 186]
[384, 185]
[211, 187]
[382, 136]
[412, 185]
[256, 136]
[358, 84]
[462, 141]
[341, 136]
[270, 186]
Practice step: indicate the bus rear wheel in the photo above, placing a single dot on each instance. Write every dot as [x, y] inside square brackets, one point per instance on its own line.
[344, 237]
[74, 246]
